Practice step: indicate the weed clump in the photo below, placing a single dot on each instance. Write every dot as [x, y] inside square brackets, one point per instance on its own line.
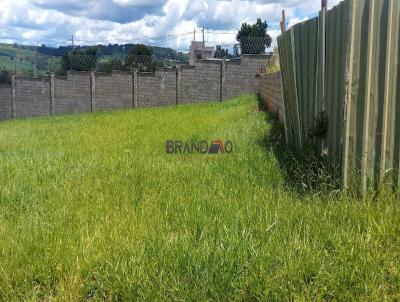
[311, 171]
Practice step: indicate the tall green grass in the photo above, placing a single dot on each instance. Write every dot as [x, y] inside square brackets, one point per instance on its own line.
[93, 209]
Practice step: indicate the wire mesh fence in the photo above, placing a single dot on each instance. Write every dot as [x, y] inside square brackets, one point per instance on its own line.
[47, 65]
[33, 62]
[254, 45]
[244, 46]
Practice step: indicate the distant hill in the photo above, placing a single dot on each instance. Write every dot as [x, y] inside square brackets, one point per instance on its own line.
[20, 59]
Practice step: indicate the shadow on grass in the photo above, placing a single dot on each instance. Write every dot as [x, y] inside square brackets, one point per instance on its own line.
[306, 173]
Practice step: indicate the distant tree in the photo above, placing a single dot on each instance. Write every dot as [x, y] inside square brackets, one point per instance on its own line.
[5, 76]
[79, 60]
[254, 38]
[235, 50]
[220, 53]
[91, 51]
[140, 50]
[140, 57]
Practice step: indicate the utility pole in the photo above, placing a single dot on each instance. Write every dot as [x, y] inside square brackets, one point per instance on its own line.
[283, 22]
[204, 44]
[324, 4]
[194, 34]
[72, 41]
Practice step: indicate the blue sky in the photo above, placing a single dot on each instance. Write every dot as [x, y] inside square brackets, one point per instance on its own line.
[158, 22]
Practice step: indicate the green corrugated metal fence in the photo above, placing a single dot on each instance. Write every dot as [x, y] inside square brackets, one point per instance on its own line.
[344, 66]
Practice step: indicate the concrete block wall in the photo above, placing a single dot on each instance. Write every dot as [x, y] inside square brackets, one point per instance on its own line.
[112, 91]
[242, 76]
[271, 93]
[31, 97]
[72, 93]
[79, 92]
[199, 83]
[156, 88]
[5, 102]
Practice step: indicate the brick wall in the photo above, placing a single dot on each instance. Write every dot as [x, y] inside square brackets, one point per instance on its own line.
[5, 102]
[199, 83]
[271, 93]
[32, 97]
[112, 91]
[156, 88]
[72, 94]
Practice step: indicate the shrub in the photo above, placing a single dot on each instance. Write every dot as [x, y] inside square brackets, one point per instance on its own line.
[79, 60]
[110, 65]
[5, 76]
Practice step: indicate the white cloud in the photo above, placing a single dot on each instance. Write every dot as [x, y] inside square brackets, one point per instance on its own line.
[294, 21]
[132, 21]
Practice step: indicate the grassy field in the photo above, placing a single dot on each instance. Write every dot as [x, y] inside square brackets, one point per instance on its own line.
[92, 208]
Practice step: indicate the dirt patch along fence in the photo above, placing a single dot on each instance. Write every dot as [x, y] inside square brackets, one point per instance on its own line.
[340, 72]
